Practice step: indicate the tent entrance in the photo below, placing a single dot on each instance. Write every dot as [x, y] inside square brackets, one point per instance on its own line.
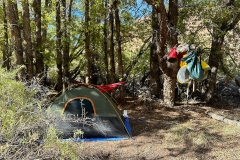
[79, 107]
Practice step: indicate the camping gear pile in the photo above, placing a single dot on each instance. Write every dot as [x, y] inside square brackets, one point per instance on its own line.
[192, 67]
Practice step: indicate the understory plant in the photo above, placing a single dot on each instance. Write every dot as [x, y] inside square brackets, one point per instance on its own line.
[23, 123]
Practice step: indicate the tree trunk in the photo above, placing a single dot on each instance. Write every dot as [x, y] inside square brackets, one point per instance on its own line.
[214, 59]
[87, 42]
[105, 43]
[5, 50]
[16, 35]
[38, 44]
[169, 70]
[58, 46]
[111, 51]
[169, 90]
[28, 40]
[219, 31]
[66, 37]
[168, 96]
[47, 10]
[119, 47]
[172, 38]
[154, 63]
[169, 81]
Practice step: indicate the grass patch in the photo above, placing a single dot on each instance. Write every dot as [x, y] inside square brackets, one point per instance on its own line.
[192, 135]
[226, 130]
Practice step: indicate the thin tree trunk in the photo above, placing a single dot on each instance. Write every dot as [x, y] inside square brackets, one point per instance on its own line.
[6, 53]
[38, 44]
[44, 24]
[58, 46]
[111, 51]
[47, 9]
[27, 38]
[16, 35]
[105, 43]
[87, 42]
[154, 63]
[66, 37]
[119, 47]
[214, 61]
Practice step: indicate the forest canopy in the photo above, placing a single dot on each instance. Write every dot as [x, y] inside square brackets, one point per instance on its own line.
[102, 42]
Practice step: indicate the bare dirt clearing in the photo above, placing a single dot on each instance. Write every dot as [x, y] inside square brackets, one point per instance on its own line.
[178, 132]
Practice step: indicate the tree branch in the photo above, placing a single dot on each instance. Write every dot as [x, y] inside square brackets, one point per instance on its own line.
[141, 52]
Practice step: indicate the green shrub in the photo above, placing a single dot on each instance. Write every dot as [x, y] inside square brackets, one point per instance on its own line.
[23, 121]
[21, 117]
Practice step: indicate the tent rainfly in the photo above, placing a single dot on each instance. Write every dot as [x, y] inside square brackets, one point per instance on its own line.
[89, 111]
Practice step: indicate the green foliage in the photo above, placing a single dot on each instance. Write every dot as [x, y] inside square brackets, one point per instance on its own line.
[17, 104]
[23, 121]
[200, 21]
[21, 117]
[11, 101]
[62, 149]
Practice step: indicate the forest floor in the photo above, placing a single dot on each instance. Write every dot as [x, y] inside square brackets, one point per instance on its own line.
[172, 133]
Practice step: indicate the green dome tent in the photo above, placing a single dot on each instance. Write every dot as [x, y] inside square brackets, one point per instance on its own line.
[91, 111]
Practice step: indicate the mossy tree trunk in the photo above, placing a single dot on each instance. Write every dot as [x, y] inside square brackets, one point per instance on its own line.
[12, 12]
[5, 48]
[27, 38]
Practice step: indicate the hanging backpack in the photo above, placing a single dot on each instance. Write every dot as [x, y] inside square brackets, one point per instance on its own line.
[193, 65]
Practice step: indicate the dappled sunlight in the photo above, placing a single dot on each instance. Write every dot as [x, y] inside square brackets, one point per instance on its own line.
[169, 132]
